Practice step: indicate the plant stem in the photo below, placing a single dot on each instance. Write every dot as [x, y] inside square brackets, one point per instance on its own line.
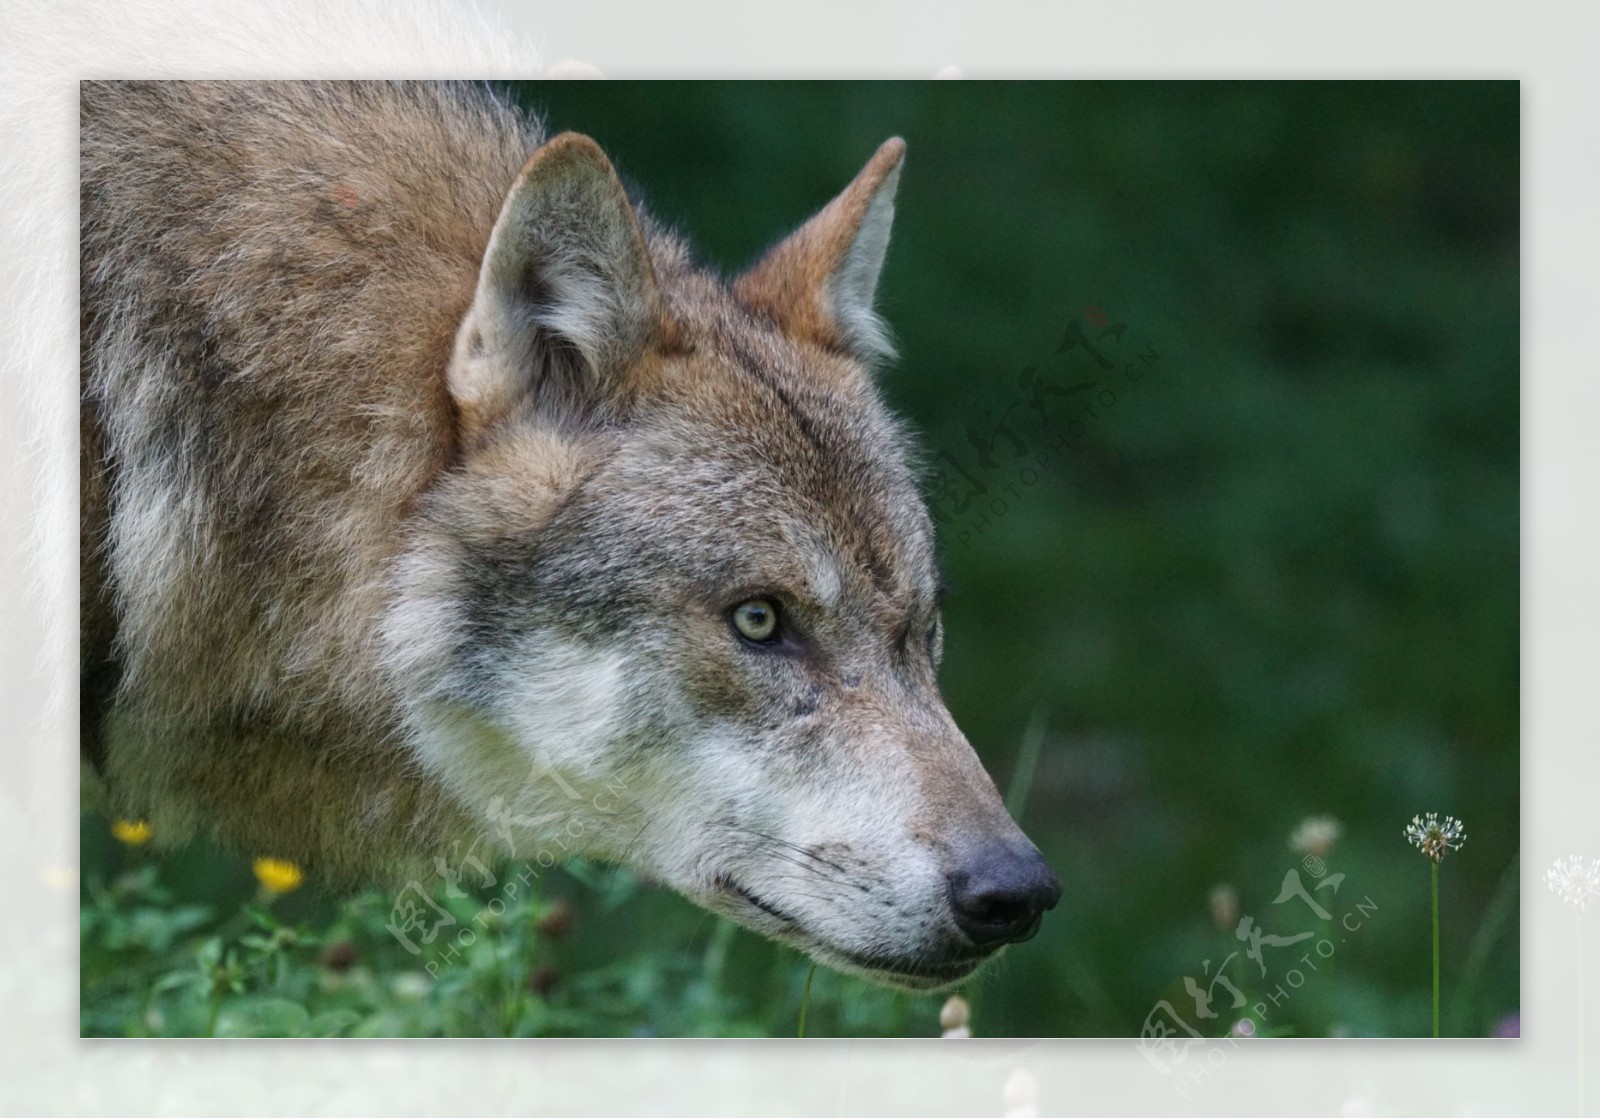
[1502, 908]
[1434, 868]
[716, 955]
[504, 954]
[805, 1002]
[1027, 761]
[1580, 1013]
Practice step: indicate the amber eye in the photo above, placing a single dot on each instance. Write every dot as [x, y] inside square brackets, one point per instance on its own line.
[756, 620]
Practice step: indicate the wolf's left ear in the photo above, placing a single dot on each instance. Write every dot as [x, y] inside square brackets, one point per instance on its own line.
[566, 296]
[819, 282]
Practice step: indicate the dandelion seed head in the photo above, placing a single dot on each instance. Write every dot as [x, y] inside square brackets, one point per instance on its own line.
[1434, 839]
[1573, 882]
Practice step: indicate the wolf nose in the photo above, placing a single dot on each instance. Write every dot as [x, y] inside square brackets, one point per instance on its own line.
[999, 894]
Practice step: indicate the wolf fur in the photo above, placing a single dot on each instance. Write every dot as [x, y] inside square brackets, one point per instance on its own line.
[421, 470]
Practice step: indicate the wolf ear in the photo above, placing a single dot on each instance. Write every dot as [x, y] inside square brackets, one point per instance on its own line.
[819, 282]
[566, 294]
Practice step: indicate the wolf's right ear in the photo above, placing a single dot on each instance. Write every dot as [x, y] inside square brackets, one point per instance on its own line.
[566, 293]
[819, 282]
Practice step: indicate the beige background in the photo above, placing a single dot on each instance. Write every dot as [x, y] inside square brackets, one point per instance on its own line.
[47, 46]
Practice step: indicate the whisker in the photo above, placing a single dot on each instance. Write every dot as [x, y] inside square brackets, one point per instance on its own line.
[793, 847]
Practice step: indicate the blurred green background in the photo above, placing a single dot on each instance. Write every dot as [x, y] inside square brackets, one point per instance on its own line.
[1272, 575]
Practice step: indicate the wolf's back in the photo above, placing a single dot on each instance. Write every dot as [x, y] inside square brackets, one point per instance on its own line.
[271, 278]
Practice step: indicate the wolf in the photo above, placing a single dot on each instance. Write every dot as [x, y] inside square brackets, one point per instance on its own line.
[431, 490]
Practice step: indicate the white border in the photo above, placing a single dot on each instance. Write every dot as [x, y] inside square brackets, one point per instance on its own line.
[45, 47]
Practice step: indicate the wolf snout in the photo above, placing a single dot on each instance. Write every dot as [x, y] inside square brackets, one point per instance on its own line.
[998, 893]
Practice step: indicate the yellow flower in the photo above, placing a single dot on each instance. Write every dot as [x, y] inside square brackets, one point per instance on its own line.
[278, 875]
[131, 832]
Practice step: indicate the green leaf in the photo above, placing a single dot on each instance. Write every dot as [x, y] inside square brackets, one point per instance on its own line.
[209, 954]
[261, 1016]
[331, 1023]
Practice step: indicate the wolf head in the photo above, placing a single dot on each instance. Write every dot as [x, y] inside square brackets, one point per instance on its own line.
[677, 604]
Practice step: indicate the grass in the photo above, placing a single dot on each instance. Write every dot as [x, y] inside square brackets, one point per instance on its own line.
[249, 962]
[805, 1002]
[285, 961]
[1277, 578]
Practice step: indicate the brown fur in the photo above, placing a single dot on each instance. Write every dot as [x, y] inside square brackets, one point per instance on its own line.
[280, 220]
[790, 282]
[416, 455]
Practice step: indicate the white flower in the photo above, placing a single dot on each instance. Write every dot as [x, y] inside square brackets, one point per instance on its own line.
[954, 1016]
[1316, 835]
[1434, 839]
[955, 1012]
[1574, 883]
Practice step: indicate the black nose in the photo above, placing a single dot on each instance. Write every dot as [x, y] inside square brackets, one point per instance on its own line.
[999, 894]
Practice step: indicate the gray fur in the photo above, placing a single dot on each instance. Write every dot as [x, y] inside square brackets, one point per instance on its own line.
[381, 531]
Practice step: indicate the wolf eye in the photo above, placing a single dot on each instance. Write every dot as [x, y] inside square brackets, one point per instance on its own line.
[756, 620]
